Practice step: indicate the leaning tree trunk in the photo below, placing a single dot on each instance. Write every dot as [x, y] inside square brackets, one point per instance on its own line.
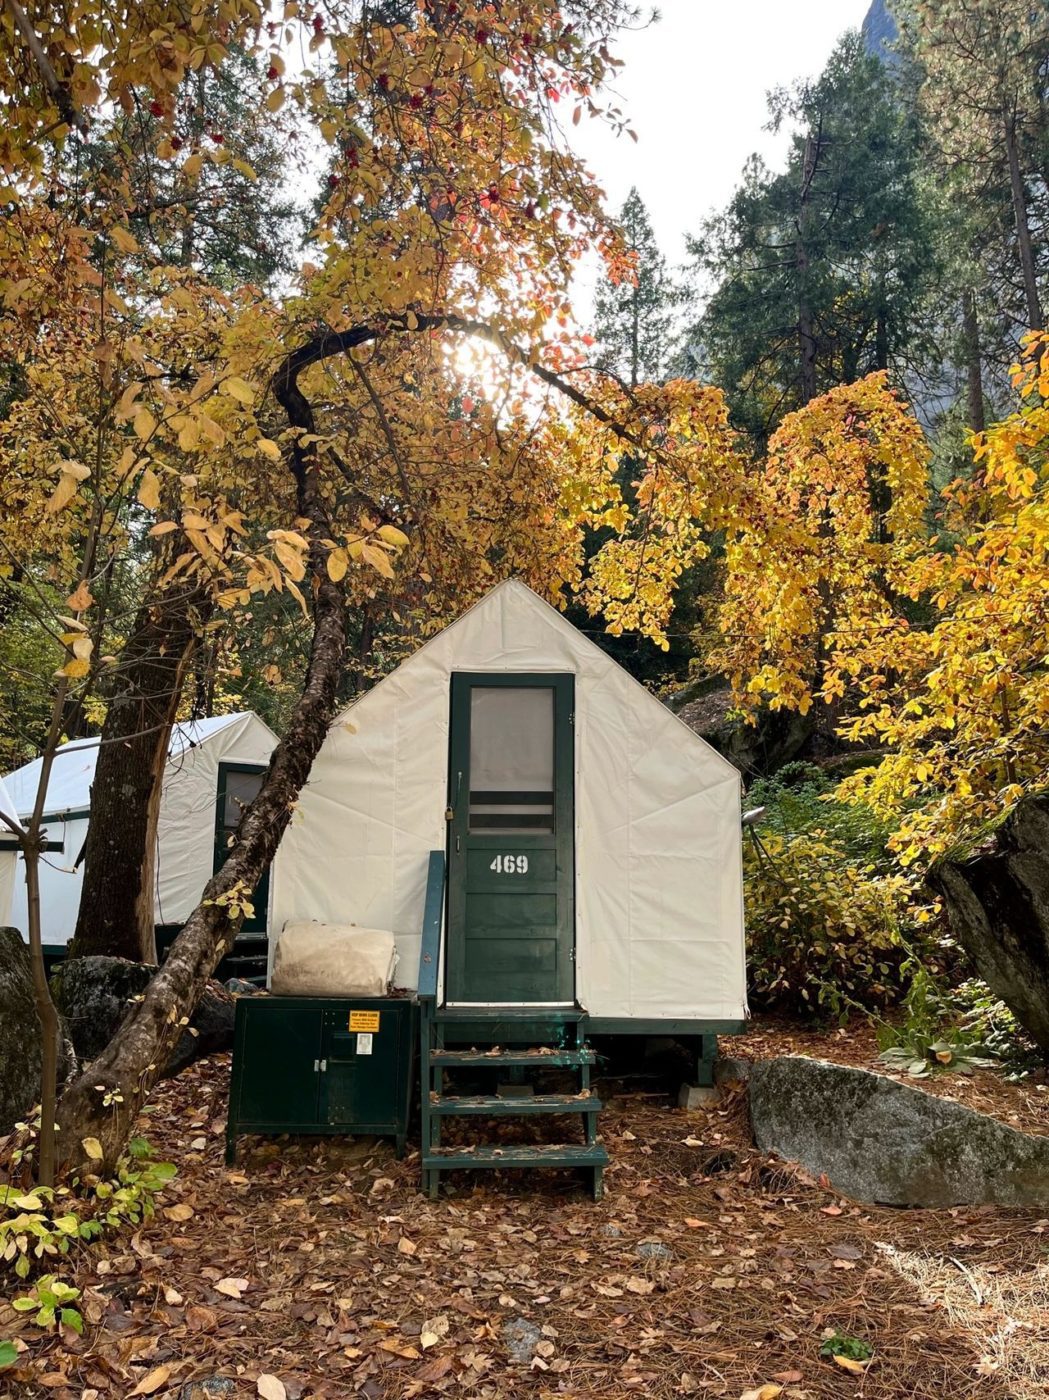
[103, 1102]
[997, 899]
[116, 901]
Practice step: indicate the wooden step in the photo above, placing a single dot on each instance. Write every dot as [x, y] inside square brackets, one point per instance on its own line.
[552, 1154]
[451, 1106]
[561, 1014]
[534, 1059]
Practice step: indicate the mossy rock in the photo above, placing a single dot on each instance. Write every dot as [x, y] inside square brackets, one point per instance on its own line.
[890, 1144]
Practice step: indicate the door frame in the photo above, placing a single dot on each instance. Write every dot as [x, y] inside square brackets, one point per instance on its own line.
[563, 685]
[259, 921]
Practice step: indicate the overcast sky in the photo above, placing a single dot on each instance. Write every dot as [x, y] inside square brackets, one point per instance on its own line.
[694, 88]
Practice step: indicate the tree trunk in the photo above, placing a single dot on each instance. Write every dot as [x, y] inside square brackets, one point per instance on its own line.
[129, 1066]
[117, 900]
[881, 338]
[136, 1055]
[976, 415]
[998, 903]
[1023, 227]
[806, 329]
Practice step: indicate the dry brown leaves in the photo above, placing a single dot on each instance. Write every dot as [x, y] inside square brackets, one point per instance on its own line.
[316, 1269]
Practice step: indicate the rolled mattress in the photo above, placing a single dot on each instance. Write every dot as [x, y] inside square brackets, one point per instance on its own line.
[332, 960]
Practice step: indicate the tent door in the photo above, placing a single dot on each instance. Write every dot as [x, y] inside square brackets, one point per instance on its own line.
[511, 857]
[238, 787]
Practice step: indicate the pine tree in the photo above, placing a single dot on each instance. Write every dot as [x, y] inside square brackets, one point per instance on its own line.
[821, 271]
[982, 65]
[634, 318]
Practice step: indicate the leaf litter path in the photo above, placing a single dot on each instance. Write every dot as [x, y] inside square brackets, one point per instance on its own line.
[707, 1270]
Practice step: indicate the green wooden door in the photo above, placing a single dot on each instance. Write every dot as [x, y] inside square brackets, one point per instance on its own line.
[511, 919]
[238, 787]
[278, 1051]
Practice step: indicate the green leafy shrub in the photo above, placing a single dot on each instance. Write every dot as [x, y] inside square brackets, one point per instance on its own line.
[41, 1225]
[800, 799]
[823, 932]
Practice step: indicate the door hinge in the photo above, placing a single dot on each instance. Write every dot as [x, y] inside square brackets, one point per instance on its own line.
[571, 717]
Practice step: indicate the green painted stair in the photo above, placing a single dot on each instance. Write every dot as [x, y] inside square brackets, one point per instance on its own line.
[469, 1040]
[496, 1105]
[539, 1058]
[546, 1154]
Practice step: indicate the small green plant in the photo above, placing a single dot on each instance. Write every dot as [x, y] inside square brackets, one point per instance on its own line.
[8, 1355]
[925, 1042]
[51, 1298]
[986, 1019]
[852, 1348]
[42, 1224]
[919, 1063]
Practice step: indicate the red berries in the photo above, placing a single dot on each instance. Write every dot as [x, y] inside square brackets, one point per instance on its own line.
[217, 137]
[415, 101]
[156, 108]
[384, 81]
[333, 181]
[481, 36]
[272, 74]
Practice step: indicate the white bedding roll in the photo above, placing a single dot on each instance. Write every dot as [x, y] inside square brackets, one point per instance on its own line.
[332, 960]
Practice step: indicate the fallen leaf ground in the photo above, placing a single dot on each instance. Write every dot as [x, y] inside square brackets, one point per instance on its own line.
[707, 1270]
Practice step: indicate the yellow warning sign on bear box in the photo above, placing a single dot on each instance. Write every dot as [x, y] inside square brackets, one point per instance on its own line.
[364, 1021]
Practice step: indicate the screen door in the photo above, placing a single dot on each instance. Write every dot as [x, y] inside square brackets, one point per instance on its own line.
[510, 836]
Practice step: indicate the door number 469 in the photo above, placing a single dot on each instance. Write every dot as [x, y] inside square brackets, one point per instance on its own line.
[510, 865]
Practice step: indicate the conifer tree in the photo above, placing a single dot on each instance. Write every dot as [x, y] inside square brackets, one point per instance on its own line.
[821, 271]
[634, 318]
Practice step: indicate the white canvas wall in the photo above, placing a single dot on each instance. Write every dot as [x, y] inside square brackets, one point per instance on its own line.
[659, 914]
[8, 858]
[186, 826]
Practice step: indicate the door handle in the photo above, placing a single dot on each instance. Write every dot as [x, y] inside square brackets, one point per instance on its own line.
[324, 1066]
[316, 1066]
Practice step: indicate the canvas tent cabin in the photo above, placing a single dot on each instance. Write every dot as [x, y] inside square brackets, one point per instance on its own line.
[592, 850]
[8, 856]
[593, 840]
[213, 770]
